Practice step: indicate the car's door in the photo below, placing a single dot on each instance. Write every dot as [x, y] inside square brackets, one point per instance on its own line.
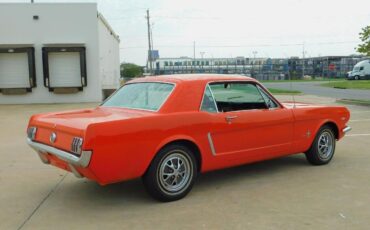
[245, 121]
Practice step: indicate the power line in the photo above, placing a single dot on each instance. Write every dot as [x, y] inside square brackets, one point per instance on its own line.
[240, 46]
[167, 17]
[187, 18]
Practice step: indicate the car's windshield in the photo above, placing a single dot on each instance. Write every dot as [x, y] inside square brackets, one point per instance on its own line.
[356, 68]
[144, 95]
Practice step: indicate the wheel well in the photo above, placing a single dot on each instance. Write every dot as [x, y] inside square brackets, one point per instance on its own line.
[334, 127]
[192, 146]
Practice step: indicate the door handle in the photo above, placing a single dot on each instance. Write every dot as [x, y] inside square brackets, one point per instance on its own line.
[230, 118]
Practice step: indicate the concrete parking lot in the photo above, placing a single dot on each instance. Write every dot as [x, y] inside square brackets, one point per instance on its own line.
[285, 193]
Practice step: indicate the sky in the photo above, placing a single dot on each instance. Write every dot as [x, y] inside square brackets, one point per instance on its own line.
[235, 28]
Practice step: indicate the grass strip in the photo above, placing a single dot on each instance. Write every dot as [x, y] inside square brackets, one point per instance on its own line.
[284, 91]
[359, 84]
[354, 102]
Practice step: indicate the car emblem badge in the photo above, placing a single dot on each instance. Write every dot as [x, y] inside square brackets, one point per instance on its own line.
[53, 137]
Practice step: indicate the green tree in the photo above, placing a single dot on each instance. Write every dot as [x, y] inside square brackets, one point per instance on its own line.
[129, 70]
[364, 48]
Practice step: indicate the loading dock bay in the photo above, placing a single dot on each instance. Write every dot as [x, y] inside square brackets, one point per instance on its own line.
[56, 53]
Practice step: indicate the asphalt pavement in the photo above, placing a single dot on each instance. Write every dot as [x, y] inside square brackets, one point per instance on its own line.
[314, 88]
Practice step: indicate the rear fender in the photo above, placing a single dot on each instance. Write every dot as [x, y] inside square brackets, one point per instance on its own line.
[173, 139]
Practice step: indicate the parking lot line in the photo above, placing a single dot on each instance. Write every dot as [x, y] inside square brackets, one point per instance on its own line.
[359, 120]
[357, 135]
[42, 201]
[360, 111]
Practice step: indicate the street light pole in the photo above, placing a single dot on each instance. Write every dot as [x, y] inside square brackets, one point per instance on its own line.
[202, 54]
[254, 61]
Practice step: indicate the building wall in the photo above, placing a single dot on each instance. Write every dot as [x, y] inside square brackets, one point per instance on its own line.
[59, 24]
[109, 63]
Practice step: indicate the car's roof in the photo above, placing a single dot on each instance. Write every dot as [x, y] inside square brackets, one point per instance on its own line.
[194, 78]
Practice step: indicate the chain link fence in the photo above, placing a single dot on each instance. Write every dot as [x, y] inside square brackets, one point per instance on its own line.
[263, 68]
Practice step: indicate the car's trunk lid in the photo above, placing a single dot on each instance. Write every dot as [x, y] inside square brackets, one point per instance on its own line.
[70, 124]
[80, 119]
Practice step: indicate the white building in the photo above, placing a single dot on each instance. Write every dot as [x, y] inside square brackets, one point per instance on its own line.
[56, 53]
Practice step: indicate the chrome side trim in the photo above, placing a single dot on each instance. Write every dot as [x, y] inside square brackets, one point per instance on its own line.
[213, 97]
[262, 91]
[43, 149]
[347, 129]
[210, 141]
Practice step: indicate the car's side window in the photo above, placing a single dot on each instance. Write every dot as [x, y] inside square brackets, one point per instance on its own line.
[268, 100]
[236, 96]
[208, 102]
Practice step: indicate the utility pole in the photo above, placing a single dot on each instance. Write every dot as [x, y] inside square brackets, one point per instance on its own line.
[194, 63]
[151, 37]
[194, 50]
[149, 42]
[303, 62]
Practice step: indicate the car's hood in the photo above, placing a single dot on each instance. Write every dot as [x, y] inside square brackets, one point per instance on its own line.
[80, 119]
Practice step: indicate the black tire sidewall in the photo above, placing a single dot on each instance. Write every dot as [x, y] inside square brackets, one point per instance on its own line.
[151, 177]
[313, 155]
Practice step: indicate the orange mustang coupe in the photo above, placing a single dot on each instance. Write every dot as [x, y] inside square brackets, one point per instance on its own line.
[168, 129]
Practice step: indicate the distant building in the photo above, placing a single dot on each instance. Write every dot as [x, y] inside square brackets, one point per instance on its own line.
[260, 68]
[56, 53]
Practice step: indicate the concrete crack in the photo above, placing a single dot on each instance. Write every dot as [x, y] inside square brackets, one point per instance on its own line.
[43, 200]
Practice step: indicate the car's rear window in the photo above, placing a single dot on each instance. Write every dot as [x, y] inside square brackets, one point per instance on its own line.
[143, 95]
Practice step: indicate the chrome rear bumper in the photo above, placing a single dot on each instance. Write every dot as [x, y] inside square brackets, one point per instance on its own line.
[72, 160]
[347, 129]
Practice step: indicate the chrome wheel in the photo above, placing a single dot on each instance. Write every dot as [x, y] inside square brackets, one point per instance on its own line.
[325, 145]
[175, 172]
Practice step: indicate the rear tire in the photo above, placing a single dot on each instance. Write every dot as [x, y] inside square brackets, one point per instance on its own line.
[171, 174]
[323, 147]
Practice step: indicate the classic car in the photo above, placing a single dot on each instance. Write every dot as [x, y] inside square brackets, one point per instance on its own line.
[168, 129]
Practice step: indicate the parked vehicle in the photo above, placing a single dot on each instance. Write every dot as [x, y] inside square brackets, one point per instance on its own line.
[360, 71]
[168, 129]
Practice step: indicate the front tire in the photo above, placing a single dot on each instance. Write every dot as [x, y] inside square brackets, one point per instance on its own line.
[323, 147]
[171, 174]
[357, 78]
